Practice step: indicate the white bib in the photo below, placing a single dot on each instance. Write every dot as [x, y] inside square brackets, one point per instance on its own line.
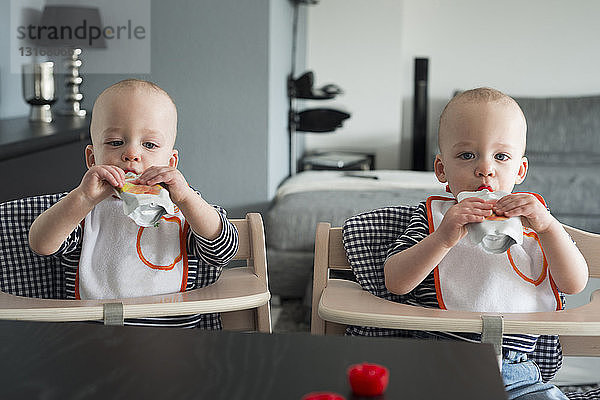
[120, 259]
[470, 279]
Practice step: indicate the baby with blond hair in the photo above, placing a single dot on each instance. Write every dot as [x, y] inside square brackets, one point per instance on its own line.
[107, 255]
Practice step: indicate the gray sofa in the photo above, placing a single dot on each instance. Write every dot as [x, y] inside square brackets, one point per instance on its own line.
[563, 148]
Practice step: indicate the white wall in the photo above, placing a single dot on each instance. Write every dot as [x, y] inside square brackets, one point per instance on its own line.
[525, 48]
[356, 45]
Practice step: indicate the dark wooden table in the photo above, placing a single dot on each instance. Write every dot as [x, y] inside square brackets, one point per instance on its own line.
[89, 361]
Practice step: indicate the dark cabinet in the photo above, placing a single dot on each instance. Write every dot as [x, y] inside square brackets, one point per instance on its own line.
[41, 159]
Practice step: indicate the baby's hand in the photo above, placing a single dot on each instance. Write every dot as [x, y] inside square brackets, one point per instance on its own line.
[453, 226]
[533, 213]
[171, 178]
[99, 182]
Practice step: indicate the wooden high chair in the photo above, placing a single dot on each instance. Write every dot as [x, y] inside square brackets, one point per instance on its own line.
[241, 294]
[339, 303]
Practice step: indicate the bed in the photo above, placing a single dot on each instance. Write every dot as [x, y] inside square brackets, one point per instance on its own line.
[310, 197]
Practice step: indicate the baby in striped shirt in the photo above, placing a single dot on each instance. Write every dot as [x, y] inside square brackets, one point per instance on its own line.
[105, 253]
[481, 137]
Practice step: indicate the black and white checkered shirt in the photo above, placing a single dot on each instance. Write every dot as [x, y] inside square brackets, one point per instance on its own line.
[27, 274]
[369, 238]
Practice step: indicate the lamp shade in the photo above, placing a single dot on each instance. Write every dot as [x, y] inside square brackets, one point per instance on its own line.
[71, 26]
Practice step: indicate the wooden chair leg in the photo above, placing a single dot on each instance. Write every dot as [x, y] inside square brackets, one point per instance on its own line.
[263, 317]
[331, 328]
[317, 325]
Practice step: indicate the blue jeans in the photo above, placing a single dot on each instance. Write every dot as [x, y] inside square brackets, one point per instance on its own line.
[523, 381]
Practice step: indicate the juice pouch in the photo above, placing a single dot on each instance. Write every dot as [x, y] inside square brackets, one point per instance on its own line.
[495, 234]
[145, 205]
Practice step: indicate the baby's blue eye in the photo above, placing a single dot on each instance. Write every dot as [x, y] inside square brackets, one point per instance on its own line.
[466, 156]
[501, 157]
[115, 143]
[149, 145]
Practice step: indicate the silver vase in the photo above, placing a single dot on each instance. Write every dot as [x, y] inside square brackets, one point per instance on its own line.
[39, 90]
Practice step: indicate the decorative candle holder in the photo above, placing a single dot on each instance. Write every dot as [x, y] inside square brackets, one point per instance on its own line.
[72, 82]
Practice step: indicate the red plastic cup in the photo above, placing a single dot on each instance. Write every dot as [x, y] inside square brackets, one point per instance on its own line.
[323, 396]
[368, 379]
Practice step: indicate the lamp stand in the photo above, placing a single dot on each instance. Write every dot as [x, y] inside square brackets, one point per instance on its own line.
[72, 82]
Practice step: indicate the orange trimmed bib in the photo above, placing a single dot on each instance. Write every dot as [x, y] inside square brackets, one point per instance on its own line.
[120, 259]
[470, 279]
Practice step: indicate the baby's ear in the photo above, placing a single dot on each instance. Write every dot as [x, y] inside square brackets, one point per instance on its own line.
[89, 156]
[439, 169]
[523, 168]
[174, 160]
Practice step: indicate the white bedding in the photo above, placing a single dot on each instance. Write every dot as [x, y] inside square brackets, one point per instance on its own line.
[359, 181]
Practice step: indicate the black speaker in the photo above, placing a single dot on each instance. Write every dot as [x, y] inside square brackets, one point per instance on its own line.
[420, 111]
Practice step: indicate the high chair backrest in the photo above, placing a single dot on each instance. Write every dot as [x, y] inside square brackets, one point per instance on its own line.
[338, 304]
[27, 281]
[252, 250]
[22, 272]
[589, 245]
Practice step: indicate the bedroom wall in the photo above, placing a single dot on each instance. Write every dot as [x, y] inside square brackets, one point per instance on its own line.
[533, 48]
